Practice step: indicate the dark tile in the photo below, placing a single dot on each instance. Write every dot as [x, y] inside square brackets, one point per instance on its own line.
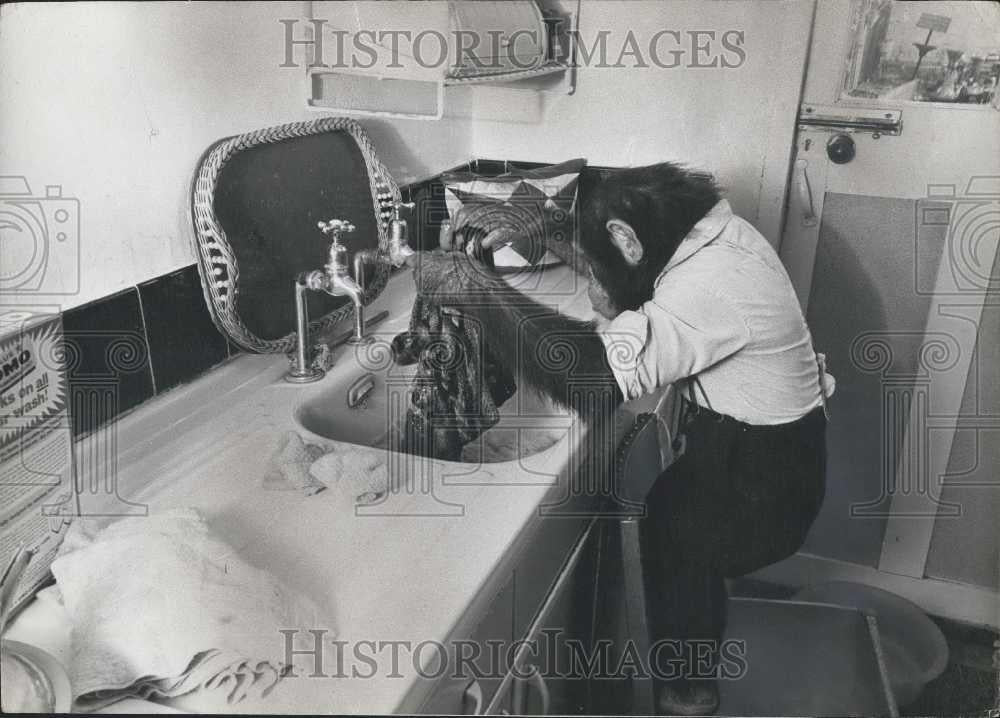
[528, 165]
[183, 341]
[488, 168]
[107, 359]
[429, 212]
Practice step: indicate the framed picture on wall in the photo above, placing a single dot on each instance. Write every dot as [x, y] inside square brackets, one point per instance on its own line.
[938, 52]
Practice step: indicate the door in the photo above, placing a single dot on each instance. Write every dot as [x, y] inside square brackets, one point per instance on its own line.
[890, 237]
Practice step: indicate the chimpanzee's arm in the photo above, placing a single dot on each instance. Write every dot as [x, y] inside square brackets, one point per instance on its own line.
[556, 355]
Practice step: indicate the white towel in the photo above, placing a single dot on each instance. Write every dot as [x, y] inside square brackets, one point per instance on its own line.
[161, 608]
[289, 469]
[361, 473]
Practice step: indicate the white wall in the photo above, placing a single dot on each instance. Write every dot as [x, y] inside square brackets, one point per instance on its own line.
[115, 102]
[736, 122]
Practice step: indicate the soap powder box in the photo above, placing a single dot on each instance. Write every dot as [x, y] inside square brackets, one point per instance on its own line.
[37, 499]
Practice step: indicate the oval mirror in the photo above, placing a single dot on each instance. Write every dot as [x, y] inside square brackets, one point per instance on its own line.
[256, 202]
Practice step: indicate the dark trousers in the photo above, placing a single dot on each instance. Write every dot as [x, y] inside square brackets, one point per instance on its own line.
[741, 497]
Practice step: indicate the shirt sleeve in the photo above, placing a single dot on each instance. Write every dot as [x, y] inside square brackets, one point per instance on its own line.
[673, 336]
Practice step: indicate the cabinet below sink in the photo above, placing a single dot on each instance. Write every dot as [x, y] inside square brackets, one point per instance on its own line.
[543, 597]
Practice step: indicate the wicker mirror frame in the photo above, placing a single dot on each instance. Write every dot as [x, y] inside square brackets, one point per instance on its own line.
[217, 260]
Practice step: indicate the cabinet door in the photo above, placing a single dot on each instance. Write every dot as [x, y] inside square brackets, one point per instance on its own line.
[539, 568]
[547, 680]
[463, 691]
[611, 695]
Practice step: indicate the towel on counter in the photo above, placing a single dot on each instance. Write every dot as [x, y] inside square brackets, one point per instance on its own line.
[289, 469]
[458, 385]
[362, 473]
[310, 468]
[160, 608]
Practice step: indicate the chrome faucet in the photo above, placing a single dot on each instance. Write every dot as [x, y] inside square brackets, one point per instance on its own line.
[335, 279]
[338, 279]
[399, 248]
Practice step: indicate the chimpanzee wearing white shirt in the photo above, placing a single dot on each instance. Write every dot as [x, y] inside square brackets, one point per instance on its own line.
[685, 292]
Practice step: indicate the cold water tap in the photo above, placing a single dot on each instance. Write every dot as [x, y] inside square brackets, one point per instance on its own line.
[340, 283]
[335, 279]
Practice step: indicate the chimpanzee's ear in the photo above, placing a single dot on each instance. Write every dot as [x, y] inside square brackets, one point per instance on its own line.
[625, 239]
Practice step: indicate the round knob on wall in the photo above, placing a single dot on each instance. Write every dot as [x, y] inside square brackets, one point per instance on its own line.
[840, 149]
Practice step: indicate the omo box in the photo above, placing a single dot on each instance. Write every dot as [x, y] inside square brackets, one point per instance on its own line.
[37, 499]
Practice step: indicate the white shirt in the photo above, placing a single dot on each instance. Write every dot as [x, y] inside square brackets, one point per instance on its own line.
[725, 310]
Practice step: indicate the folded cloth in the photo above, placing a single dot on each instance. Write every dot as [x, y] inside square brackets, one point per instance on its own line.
[458, 386]
[289, 469]
[160, 608]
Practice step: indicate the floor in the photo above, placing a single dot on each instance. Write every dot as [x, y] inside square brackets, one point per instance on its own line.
[971, 682]
[970, 685]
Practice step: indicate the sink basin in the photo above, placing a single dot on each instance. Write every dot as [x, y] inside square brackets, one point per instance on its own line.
[528, 424]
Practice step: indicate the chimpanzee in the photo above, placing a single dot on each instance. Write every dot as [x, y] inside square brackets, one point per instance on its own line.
[704, 302]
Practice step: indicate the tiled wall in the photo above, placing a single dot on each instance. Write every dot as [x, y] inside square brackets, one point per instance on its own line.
[138, 343]
[128, 347]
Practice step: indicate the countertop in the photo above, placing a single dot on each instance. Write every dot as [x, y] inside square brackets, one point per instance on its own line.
[387, 575]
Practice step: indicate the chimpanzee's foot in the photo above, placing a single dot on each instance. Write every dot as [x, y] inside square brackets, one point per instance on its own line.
[688, 698]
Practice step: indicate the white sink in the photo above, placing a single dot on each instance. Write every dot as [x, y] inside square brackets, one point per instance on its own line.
[527, 425]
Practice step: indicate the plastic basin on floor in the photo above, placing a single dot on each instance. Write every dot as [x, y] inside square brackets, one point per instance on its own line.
[914, 648]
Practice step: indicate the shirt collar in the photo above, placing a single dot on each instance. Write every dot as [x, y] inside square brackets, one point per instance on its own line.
[708, 228]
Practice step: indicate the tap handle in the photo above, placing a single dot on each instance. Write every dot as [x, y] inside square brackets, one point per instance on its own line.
[397, 206]
[335, 227]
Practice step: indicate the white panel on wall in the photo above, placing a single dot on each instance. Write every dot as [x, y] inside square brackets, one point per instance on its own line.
[966, 547]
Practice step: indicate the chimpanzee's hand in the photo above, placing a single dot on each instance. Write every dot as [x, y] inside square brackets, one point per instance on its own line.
[467, 233]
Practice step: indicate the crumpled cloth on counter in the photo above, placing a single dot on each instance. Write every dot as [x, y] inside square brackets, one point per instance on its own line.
[362, 473]
[160, 609]
[458, 387]
[310, 468]
[289, 467]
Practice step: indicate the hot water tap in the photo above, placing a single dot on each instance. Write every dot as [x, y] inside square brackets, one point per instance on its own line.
[399, 248]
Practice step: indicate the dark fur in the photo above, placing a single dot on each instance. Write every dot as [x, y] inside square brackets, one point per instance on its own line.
[556, 355]
[661, 202]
